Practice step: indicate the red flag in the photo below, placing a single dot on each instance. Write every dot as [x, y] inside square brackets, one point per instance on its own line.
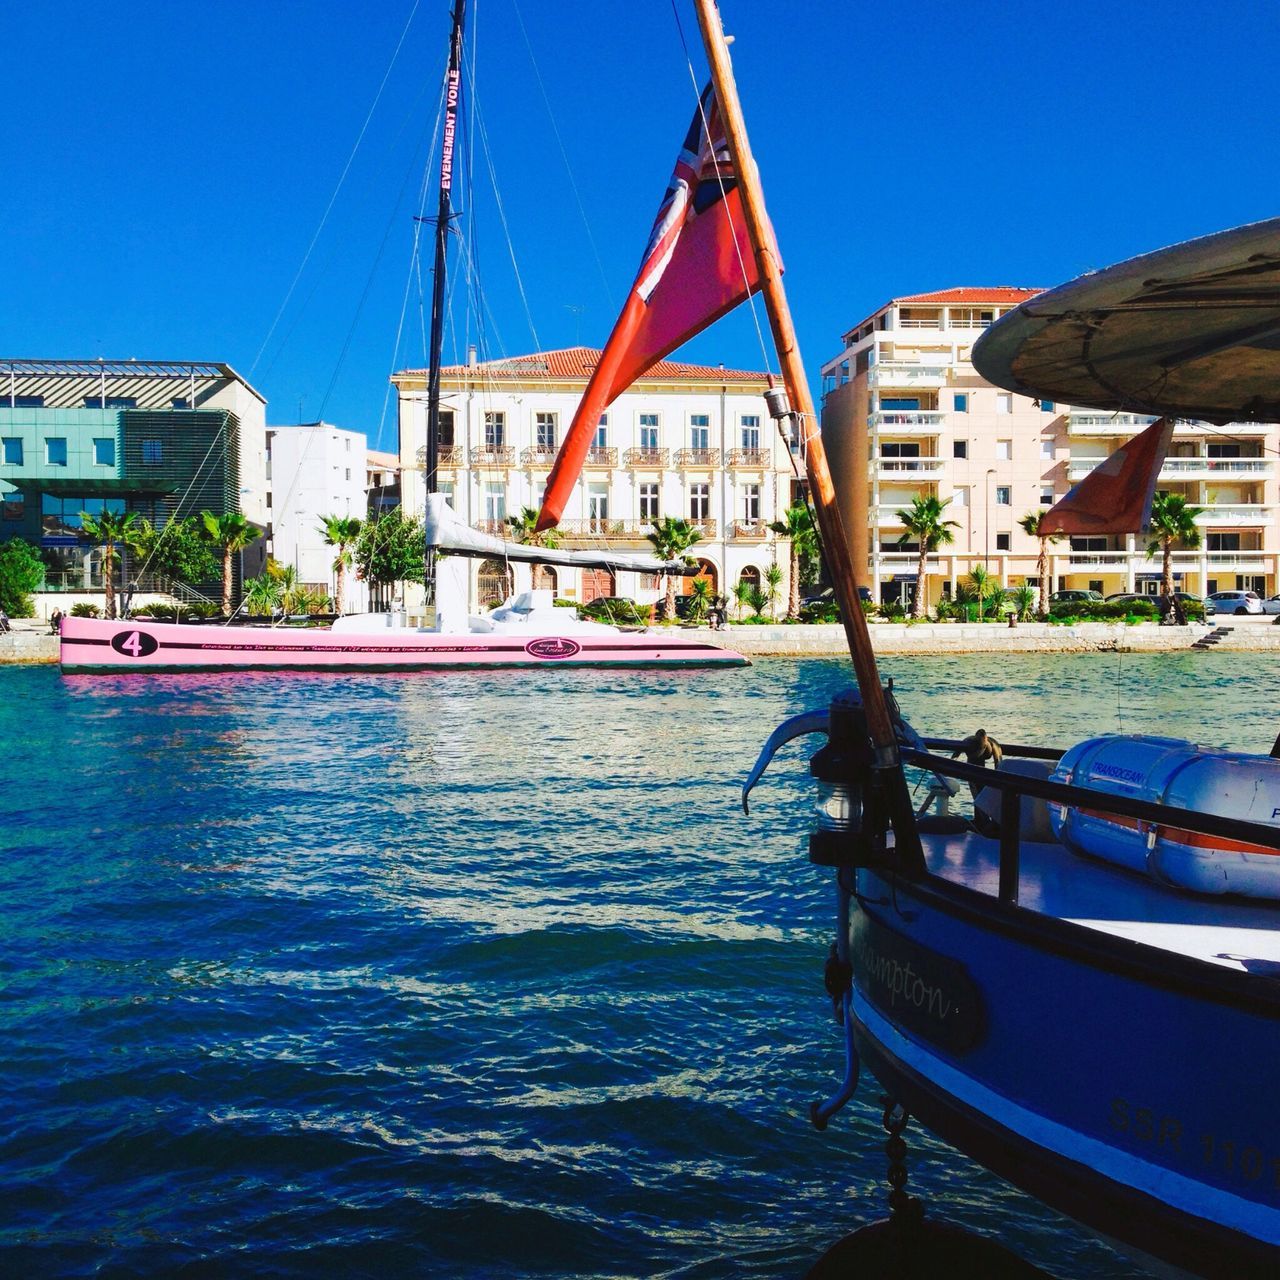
[698, 265]
[1115, 497]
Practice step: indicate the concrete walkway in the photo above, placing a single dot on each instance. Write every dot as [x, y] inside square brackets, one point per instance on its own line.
[30, 641]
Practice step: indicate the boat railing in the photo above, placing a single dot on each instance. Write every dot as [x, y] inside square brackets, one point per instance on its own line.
[1151, 817]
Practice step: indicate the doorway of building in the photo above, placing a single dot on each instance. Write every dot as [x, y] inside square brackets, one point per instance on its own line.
[597, 583]
[494, 583]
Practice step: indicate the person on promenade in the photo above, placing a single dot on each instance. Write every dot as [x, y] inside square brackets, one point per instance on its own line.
[4, 621]
[55, 622]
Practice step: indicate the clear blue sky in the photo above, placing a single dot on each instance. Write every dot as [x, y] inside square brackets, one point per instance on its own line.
[167, 165]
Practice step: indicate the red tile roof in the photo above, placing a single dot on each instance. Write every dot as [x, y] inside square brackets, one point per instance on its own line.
[579, 363]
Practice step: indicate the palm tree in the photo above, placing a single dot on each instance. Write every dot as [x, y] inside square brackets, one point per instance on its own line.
[1030, 523]
[703, 597]
[923, 521]
[983, 587]
[106, 532]
[340, 532]
[524, 530]
[742, 590]
[1172, 521]
[671, 538]
[230, 533]
[797, 525]
[773, 580]
[262, 595]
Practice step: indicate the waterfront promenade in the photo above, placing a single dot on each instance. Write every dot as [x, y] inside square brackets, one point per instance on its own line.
[30, 640]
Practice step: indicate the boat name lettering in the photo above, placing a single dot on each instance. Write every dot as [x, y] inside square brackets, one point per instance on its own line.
[552, 647]
[450, 130]
[1119, 773]
[1233, 1159]
[923, 992]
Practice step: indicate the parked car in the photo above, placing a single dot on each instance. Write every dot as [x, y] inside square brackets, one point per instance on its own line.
[1074, 597]
[1236, 602]
[1271, 604]
[828, 596]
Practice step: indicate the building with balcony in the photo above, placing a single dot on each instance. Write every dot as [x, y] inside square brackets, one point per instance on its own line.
[904, 414]
[157, 438]
[692, 441]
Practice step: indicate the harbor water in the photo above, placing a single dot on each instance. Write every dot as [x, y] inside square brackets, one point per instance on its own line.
[468, 975]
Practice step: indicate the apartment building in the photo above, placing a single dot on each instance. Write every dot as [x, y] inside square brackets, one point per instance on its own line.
[905, 414]
[158, 438]
[686, 440]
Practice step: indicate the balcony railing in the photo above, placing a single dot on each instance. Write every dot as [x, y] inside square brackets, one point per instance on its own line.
[755, 458]
[646, 458]
[603, 457]
[1251, 514]
[907, 373]
[536, 456]
[704, 525]
[908, 422]
[447, 455]
[499, 456]
[697, 457]
[750, 530]
[1116, 561]
[926, 467]
[1189, 468]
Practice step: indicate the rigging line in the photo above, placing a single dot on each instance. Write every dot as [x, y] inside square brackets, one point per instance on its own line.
[341, 179]
[706, 133]
[564, 155]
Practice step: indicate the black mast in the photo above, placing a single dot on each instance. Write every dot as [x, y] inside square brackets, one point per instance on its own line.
[452, 106]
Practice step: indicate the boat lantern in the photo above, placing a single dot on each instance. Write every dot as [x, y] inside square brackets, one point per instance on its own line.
[843, 835]
[775, 399]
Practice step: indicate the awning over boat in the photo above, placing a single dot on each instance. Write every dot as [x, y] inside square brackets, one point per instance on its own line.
[1192, 331]
[446, 532]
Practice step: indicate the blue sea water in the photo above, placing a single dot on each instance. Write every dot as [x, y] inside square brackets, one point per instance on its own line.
[466, 975]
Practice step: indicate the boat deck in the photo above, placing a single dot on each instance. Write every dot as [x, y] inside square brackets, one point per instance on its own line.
[1237, 933]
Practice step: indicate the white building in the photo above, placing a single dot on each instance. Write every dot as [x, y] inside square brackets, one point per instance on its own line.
[692, 441]
[904, 413]
[313, 471]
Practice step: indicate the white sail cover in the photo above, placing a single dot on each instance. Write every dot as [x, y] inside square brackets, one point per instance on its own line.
[445, 532]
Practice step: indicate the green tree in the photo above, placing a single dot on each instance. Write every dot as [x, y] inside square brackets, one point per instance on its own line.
[1030, 523]
[178, 551]
[671, 538]
[1172, 521]
[797, 525]
[21, 573]
[1024, 600]
[341, 532]
[230, 533]
[262, 595]
[525, 531]
[773, 580]
[981, 587]
[703, 595]
[107, 531]
[390, 549]
[742, 590]
[922, 521]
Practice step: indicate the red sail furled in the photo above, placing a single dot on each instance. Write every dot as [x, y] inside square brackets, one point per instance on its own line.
[698, 265]
[1115, 497]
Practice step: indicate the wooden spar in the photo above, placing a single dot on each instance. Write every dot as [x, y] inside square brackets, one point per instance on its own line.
[834, 544]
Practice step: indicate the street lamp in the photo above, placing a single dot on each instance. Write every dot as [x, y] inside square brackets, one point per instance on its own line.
[986, 542]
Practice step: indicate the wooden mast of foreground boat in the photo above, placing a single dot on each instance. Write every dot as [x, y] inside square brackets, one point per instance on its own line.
[822, 488]
[452, 105]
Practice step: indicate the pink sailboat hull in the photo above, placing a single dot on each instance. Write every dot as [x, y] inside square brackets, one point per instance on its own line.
[96, 645]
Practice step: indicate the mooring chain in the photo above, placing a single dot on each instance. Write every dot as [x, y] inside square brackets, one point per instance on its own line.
[903, 1208]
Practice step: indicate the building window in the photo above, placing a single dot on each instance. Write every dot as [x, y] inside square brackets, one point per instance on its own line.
[899, 402]
[179, 402]
[444, 429]
[152, 452]
[648, 430]
[445, 490]
[751, 503]
[12, 451]
[1046, 450]
[699, 431]
[12, 506]
[55, 451]
[751, 431]
[545, 431]
[899, 449]
[1046, 497]
[648, 502]
[1046, 406]
[104, 453]
[699, 501]
[1004, 402]
[1222, 542]
[959, 448]
[1002, 542]
[26, 402]
[961, 497]
[960, 402]
[598, 506]
[1225, 451]
[495, 429]
[495, 502]
[1003, 496]
[1004, 450]
[602, 433]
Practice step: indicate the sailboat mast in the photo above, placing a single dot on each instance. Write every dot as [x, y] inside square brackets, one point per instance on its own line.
[452, 106]
[834, 543]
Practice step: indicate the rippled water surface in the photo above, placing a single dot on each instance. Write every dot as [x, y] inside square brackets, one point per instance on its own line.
[465, 975]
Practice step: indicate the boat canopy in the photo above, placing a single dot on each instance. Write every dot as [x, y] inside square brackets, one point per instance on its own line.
[445, 532]
[1191, 331]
